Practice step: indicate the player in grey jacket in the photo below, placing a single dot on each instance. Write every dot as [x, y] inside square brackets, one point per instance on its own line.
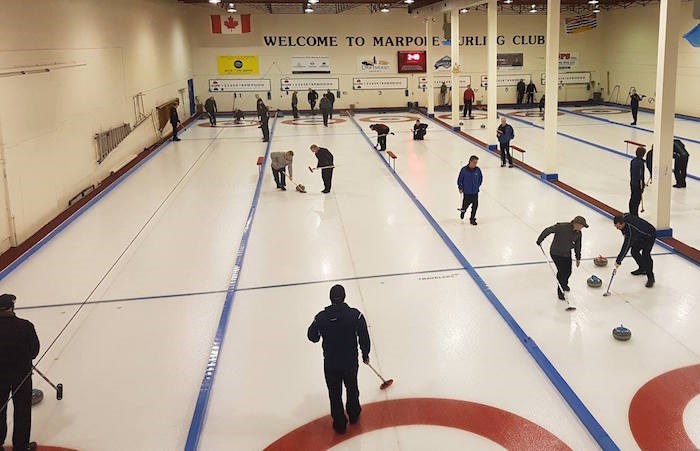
[279, 162]
[567, 236]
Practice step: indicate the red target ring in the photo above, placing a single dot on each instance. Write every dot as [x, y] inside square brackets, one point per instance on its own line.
[389, 118]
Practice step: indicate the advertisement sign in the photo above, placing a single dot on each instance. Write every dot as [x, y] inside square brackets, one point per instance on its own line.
[443, 64]
[464, 80]
[239, 85]
[374, 65]
[571, 78]
[412, 61]
[568, 60]
[507, 79]
[509, 60]
[304, 84]
[311, 65]
[238, 65]
[379, 83]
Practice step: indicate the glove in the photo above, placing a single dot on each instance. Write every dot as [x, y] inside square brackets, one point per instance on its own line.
[365, 360]
[578, 262]
[617, 265]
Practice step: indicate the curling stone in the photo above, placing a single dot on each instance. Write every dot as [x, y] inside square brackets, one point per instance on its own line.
[301, 188]
[600, 261]
[594, 282]
[622, 333]
[483, 125]
[37, 396]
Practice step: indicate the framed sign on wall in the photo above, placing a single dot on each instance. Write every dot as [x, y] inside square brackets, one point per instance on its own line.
[412, 61]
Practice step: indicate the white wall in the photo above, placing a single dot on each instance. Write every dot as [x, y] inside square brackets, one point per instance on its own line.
[275, 62]
[47, 121]
[630, 51]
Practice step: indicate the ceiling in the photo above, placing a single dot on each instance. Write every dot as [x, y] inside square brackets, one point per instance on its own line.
[339, 6]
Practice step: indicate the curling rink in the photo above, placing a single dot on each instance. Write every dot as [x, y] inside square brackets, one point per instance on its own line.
[465, 319]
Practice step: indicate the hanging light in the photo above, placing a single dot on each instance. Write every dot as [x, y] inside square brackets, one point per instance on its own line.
[408, 2]
[596, 9]
[534, 8]
[508, 1]
[464, 10]
[231, 8]
[385, 9]
[313, 2]
[308, 9]
[215, 2]
[593, 2]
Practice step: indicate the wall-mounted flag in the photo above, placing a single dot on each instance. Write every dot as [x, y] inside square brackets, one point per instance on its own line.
[230, 24]
[693, 36]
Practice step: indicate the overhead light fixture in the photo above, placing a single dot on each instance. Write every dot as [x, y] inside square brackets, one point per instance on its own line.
[385, 9]
[464, 10]
[508, 1]
[313, 2]
[533, 8]
[215, 2]
[596, 9]
[231, 8]
[593, 2]
[408, 2]
[308, 9]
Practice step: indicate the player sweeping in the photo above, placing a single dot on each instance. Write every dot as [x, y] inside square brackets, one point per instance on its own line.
[567, 236]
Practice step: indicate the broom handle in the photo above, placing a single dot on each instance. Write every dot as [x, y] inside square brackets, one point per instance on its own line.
[375, 372]
[551, 269]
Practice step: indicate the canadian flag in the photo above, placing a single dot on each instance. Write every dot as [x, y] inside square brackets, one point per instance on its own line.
[230, 24]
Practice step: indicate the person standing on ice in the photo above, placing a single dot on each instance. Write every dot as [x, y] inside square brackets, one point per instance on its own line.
[567, 236]
[636, 181]
[325, 161]
[312, 98]
[382, 132]
[634, 105]
[19, 345]
[520, 88]
[469, 180]
[531, 90]
[505, 134]
[341, 328]
[295, 102]
[468, 100]
[639, 236]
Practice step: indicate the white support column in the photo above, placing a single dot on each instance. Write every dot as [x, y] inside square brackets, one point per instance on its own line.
[551, 90]
[666, 68]
[454, 75]
[429, 58]
[492, 93]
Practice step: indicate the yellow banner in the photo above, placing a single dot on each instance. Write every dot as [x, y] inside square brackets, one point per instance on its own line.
[238, 65]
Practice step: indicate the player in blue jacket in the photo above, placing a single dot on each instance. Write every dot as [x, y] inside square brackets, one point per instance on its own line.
[469, 180]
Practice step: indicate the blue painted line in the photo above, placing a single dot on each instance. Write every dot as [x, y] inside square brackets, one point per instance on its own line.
[649, 110]
[200, 410]
[574, 197]
[592, 425]
[584, 141]
[32, 250]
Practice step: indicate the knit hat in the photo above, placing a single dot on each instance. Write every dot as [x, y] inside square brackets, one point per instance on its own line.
[7, 301]
[337, 294]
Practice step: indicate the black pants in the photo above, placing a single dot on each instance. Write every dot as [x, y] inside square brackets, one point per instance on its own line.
[295, 111]
[680, 168]
[530, 97]
[325, 118]
[470, 199]
[279, 174]
[467, 109]
[327, 176]
[635, 199]
[265, 130]
[520, 97]
[313, 105]
[212, 119]
[381, 140]
[418, 134]
[641, 253]
[563, 265]
[635, 109]
[330, 113]
[22, 403]
[335, 379]
[505, 152]
[175, 138]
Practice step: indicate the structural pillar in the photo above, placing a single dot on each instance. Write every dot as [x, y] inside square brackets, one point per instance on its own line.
[429, 57]
[454, 75]
[664, 116]
[551, 90]
[492, 89]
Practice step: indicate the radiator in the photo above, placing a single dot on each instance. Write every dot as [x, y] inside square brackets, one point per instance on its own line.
[109, 140]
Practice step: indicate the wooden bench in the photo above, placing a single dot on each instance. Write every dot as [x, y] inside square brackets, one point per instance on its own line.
[392, 161]
[634, 143]
[260, 162]
[521, 151]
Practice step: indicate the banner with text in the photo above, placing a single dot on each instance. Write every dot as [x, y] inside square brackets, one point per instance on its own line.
[507, 80]
[568, 60]
[311, 65]
[379, 83]
[570, 78]
[464, 80]
[238, 65]
[239, 85]
[374, 64]
[304, 84]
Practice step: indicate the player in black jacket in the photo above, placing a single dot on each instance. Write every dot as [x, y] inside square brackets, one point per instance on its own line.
[19, 345]
[174, 119]
[634, 104]
[639, 236]
[341, 327]
[325, 159]
[636, 181]
[382, 132]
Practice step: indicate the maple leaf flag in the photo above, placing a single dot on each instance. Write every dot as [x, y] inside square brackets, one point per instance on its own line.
[230, 24]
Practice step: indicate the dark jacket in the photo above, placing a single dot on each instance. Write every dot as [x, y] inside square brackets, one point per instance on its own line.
[565, 239]
[469, 180]
[340, 326]
[381, 129]
[531, 88]
[679, 150]
[261, 108]
[174, 118]
[19, 345]
[506, 133]
[210, 105]
[295, 99]
[331, 97]
[324, 157]
[637, 172]
[521, 87]
[312, 96]
[637, 232]
[634, 100]
[325, 104]
[649, 160]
